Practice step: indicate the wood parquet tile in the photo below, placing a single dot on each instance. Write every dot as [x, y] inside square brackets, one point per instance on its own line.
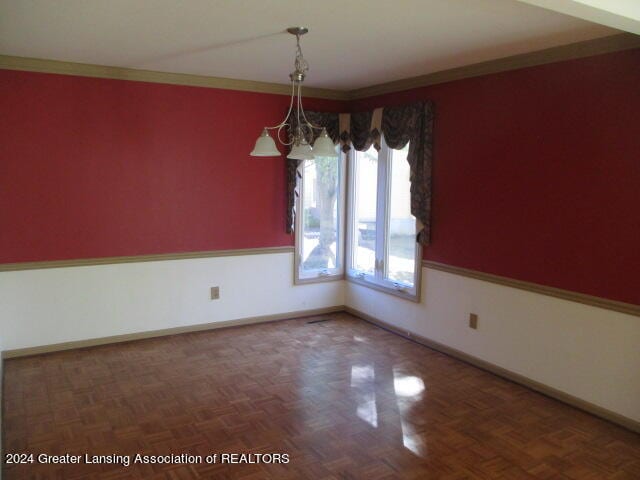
[344, 399]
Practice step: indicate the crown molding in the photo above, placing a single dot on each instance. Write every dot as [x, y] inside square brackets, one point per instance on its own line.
[588, 48]
[609, 44]
[614, 305]
[40, 65]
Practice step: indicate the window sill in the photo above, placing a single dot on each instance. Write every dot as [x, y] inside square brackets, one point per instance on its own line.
[414, 297]
[319, 279]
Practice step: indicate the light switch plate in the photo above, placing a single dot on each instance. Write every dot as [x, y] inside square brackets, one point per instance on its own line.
[215, 293]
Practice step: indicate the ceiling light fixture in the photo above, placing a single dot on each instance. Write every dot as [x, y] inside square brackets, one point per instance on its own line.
[301, 131]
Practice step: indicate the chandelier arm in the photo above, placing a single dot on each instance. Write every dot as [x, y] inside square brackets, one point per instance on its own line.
[312, 125]
[301, 115]
[284, 122]
[278, 135]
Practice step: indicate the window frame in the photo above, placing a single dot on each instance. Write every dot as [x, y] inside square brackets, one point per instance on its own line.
[377, 280]
[337, 273]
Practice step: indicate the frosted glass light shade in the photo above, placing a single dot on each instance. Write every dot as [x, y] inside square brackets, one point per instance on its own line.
[301, 151]
[324, 147]
[265, 146]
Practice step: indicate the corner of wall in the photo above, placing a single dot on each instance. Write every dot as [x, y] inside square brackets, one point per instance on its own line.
[555, 344]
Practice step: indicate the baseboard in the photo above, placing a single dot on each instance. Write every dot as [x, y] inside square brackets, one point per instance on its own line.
[564, 397]
[128, 337]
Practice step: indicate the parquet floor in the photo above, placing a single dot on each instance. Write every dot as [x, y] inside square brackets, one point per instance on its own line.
[342, 398]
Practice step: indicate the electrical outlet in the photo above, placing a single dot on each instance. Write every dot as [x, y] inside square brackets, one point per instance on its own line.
[473, 321]
[215, 293]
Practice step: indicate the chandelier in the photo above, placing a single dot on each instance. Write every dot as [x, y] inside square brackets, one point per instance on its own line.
[300, 130]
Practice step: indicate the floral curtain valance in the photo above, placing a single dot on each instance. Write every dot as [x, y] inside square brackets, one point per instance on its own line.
[409, 123]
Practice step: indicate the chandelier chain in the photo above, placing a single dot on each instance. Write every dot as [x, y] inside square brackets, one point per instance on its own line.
[301, 65]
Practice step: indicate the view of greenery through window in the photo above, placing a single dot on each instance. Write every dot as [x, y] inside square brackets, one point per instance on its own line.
[319, 246]
[320, 213]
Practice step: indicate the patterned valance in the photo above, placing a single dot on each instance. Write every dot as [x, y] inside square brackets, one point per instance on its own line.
[409, 123]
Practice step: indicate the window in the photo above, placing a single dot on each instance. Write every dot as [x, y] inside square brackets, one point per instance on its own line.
[364, 210]
[381, 234]
[380, 248]
[319, 220]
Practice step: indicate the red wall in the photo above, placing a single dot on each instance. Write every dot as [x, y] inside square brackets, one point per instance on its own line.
[95, 168]
[537, 173]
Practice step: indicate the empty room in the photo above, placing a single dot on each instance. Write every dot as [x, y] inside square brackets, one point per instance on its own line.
[348, 239]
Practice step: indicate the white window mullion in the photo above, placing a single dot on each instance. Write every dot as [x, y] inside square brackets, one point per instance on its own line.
[351, 223]
[297, 226]
[342, 209]
[386, 198]
[380, 213]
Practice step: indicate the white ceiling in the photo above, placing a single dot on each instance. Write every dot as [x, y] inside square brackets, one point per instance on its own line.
[351, 44]
[620, 14]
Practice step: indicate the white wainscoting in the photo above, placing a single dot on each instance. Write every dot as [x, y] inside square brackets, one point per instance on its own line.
[49, 306]
[587, 352]
[584, 351]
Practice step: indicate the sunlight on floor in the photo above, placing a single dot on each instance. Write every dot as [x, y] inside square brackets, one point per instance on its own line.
[409, 390]
[407, 386]
[363, 380]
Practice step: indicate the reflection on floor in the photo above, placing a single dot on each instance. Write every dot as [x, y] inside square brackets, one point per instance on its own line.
[342, 398]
